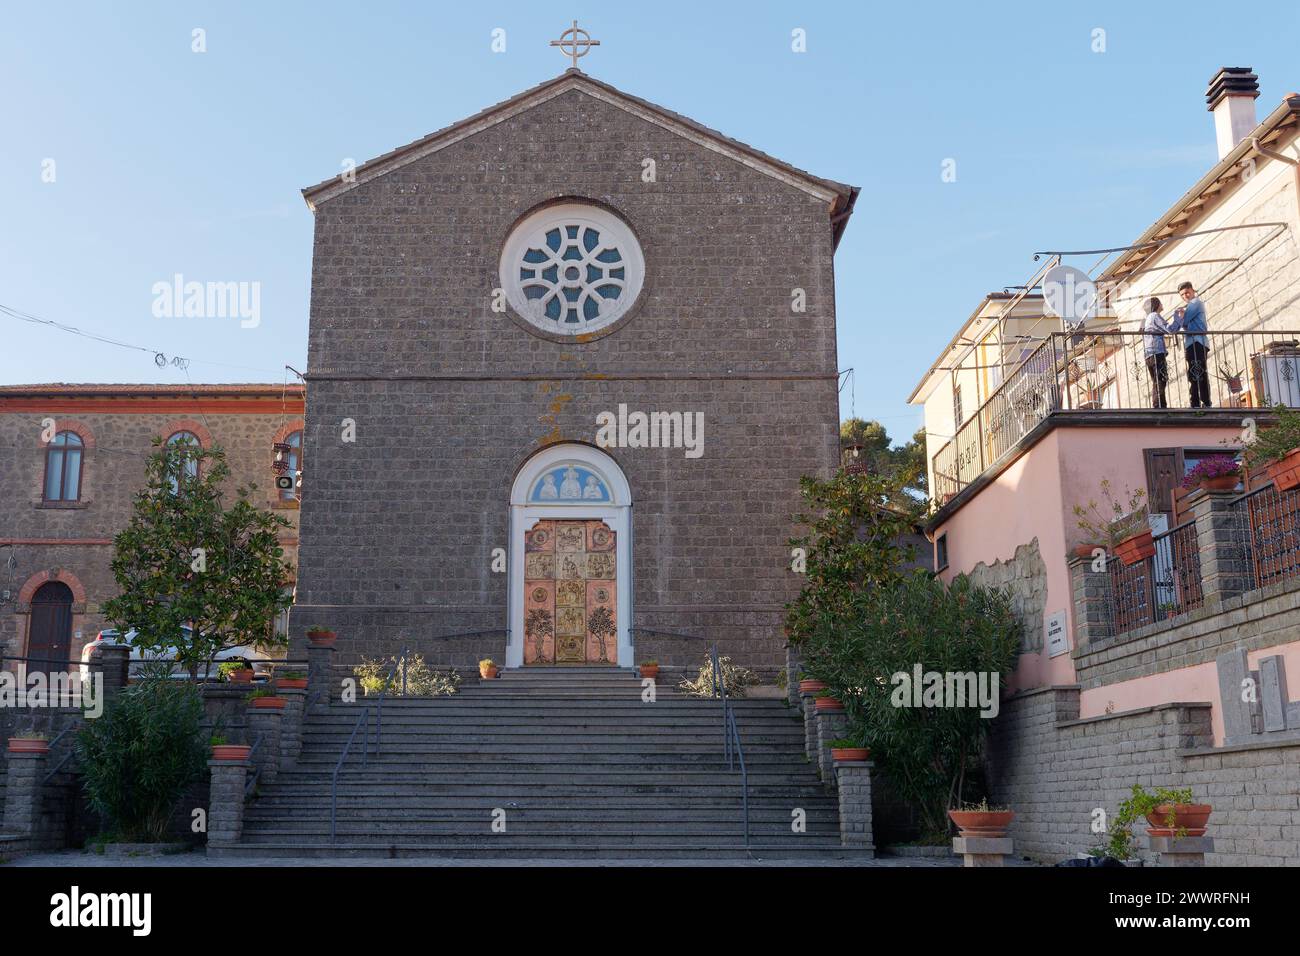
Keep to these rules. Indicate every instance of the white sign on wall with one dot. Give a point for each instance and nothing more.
(1056, 642)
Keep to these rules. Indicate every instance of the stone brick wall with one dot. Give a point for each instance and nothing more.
(450, 398)
(112, 473)
(1025, 578)
(1054, 769)
(1264, 618)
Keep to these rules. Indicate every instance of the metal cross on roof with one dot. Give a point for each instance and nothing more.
(570, 44)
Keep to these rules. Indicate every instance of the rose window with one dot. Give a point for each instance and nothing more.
(572, 269)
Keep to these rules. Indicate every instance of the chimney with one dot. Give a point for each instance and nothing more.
(1231, 98)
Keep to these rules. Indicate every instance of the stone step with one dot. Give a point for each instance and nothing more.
(812, 850)
(520, 760)
(415, 828)
(612, 810)
(705, 749)
(730, 803)
(624, 838)
(551, 703)
(502, 793)
(397, 772)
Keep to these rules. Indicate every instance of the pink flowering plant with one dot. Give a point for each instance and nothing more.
(1214, 466)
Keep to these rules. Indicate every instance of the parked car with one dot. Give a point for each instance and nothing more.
(247, 653)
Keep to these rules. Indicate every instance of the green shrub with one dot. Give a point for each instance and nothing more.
(932, 754)
(421, 680)
(141, 755)
(735, 678)
(1273, 444)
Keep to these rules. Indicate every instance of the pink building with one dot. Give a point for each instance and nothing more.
(1133, 673)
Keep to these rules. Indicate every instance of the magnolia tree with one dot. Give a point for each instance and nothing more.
(189, 559)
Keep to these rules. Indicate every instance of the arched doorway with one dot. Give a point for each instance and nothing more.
(570, 560)
(49, 636)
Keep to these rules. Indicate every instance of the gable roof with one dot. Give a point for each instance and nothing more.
(1281, 125)
(839, 197)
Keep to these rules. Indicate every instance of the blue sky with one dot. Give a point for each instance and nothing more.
(168, 161)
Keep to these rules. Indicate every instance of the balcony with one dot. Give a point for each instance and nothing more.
(1104, 372)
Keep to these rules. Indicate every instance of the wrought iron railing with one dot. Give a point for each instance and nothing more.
(1104, 371)
(1266, 529)
(1162, 586)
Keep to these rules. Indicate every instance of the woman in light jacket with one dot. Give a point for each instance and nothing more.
(1154, 330)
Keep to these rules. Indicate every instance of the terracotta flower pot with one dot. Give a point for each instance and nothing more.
(230, 751)
(850, 754)
(1189, 816)
(982, 823)
(1222, 483)
(269, 703)
(1085, 550)
(29, 745)
(811, 686)
(322, 638)
(828, 704)
(650, 671)
(242, 676)
(487, 673)
(291, 683)
(1137, 548)
(1285, 474)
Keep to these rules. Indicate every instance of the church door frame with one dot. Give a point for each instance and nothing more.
(616, 513)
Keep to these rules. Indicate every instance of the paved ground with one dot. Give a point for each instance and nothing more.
(78, 858)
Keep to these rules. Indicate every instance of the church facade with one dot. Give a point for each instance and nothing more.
(568, 360)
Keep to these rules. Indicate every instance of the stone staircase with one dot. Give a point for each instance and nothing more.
(581, 767)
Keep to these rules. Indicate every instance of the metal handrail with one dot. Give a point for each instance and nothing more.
(257, 772)
(62, 762)
(363, 720)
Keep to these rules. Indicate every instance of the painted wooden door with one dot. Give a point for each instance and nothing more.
(570, 598)
(50, 638)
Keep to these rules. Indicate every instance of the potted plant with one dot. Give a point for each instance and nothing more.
(1276, 450)
(264, 699)
(236, 672)
(487, 668)
(31, 743)
(321, 636)
(291, 680)
(1168, 813)
(810, 685)
(650, 669)
(1232, 379)
(224, 751)
(982, 820)
(1214, 473)
(845, 750)
(1122, 524)
(825, 702)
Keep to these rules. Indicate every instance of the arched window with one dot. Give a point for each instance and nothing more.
(63, 467)
(190, 443)
(294, 459)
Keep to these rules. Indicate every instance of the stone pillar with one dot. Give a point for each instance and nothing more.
(291, 725)
(226, 802)
(1222, 538)
(831, 725)
(1094, 619)
(320, 680)
(854, 783)
(792, 666)
(809, 726)
(1189, 851)
(114, 663)
(23, 793)
(982, 851)
(265, 723)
